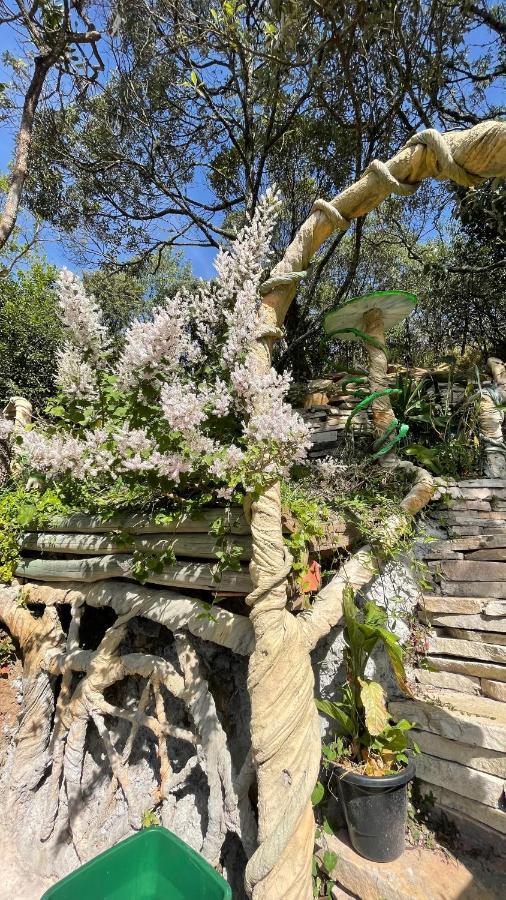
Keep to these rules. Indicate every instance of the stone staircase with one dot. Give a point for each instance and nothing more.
(460, 705)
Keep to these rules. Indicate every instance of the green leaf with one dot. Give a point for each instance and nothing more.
(318, 793)
(193, 78)
(329, 861)
(335, 711)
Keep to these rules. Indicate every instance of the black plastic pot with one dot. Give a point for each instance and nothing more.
(375, 811)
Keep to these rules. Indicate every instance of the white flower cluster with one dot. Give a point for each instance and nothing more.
(179, 374)
(74, 376)
(157, 348)
(81, 314)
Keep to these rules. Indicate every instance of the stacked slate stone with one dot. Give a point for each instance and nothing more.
(460, 708)
(326, 405)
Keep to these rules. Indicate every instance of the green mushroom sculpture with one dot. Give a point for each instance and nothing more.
(367, 319)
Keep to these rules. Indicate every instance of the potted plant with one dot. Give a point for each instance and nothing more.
(370, 754)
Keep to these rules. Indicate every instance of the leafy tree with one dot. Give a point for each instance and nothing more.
(30, 330)
(30, 333)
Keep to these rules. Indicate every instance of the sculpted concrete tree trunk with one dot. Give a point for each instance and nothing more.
(491, 419)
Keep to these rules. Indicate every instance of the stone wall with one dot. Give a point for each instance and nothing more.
(460, 705)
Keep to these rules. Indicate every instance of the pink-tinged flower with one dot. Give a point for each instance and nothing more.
(170, 465)
(74, 376)
(157, 348)
(182, 406)
(81, 314)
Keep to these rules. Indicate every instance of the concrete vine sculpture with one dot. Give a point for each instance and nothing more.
(285, 732)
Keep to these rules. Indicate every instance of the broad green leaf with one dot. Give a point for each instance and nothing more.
(335, 711)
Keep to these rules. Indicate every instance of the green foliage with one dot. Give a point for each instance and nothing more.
(366, 736)
(150, 819)
(7, 651)
(310, 515)
(445, 435)
(21, 511)
(30, 334)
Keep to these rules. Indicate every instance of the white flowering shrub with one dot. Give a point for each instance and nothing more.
(182, 411)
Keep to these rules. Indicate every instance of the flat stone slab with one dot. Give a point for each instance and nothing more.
(468, 543)
(419, 874)
(493, 818)
(494, 689)
(452, 724)
(474, 757)
(482, 483)
(457, 531)
(469, 667)
(496, 555)
(467, 649)
(472, 517)
(466, 782)
(473, 622)
(449, 681)
(462, 570)
(462, 634)
(468, 703)
(496, 589)
(495, 608)
(438, 603)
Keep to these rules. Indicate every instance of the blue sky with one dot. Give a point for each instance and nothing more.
(201, 258)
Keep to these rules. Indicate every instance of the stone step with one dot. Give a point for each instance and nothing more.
(467, 703)
(471, 622)
(485, 637)
(475, 757)
(474, 730)
(448, 681)
(438, 603)
(466, 782)
(439, 646)
(473, 667)
(420, 874)
(494, 818)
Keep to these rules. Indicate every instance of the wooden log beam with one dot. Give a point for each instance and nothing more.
(193, 546)
(99, 568)
(139, 523)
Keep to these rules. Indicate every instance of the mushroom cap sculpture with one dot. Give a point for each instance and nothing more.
(346, 320)
(366, 319)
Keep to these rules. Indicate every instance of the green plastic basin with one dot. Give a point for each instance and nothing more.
(151, 865)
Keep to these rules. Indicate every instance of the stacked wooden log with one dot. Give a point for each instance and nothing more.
(85, 549)
(461, 709)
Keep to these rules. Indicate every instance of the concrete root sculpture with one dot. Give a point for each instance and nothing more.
(48, 655)
(491, 419)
